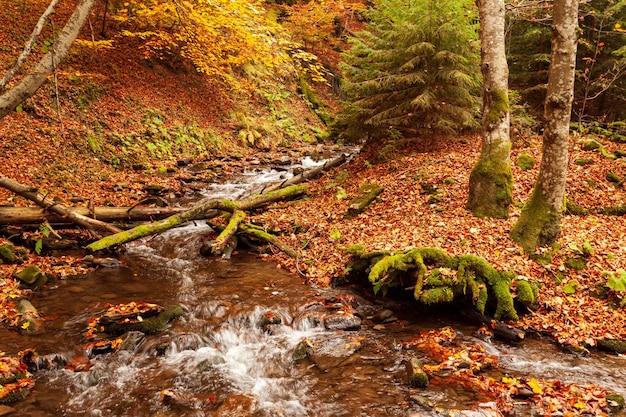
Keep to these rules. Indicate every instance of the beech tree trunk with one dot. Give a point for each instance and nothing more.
(491, 180)
(540, 221)
(35, 79)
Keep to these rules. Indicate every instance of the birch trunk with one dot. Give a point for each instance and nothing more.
(491, 179)
(35, 79)
(540, 221)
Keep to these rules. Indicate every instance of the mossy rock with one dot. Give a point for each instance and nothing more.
(10, 255)
(607, 154)
(31, 277)
(525, 161)
(614, 402)
(15, 396)
(612, 345)
(150, 325)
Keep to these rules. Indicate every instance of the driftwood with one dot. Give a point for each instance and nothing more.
(49, 204)
(499, 328)
(368, 193)
(197, 212)
(20, 216)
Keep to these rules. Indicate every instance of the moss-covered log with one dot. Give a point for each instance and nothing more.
(226, 235)
(436, 277)
(368, 193)
(197, 212)
(258, 233)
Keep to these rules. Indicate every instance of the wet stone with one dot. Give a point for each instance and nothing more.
(342, 321)
(238, 405)
(6, 410)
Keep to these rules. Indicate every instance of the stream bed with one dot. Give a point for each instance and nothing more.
(222, 357)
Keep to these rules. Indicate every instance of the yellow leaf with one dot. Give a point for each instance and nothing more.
(534, 385)
(508, 380)
(25, 325)
(580, 405)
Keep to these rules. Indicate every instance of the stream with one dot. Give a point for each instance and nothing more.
(219, 360)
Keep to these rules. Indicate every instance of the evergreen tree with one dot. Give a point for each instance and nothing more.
(415, 69)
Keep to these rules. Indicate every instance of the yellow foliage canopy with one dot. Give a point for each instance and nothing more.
(216, 36)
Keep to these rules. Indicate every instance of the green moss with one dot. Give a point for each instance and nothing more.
(614, 210)
(437, 295)
(615, 402)
(591, 145)
(576, 263)
(583, 161)
(527, 293)
(525, 161)
(150, 325)
(538, 224)
(499, 283)
(9, 255)
(572, 208)
(499, 106)
(481, 302)
(606, 153)
(612, 345)
(491, 183)
(613, 177)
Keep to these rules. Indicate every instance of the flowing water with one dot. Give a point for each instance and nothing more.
(219, 360)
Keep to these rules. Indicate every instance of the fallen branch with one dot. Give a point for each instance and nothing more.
(197, 212)
(220, 243)
(259, 233)
(49, 204)
(359, 204)
(308, 174)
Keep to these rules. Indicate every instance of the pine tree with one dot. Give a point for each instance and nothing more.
(415, 69)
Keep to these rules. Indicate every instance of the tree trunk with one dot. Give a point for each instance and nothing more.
(491, 180)
(540, 221)
(35, 216)
(35, 79)
(50, 205)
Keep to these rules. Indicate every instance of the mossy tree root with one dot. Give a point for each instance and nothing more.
(436, 277)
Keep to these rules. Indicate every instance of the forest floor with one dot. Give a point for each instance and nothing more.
(90, 146)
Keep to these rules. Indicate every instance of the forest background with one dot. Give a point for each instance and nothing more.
(152, 85)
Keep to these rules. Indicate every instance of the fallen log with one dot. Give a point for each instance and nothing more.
(360, 203)
(49, 204)
(228, 233)
(20, 216)
(197, 212)
(308, 174)
(259, 233)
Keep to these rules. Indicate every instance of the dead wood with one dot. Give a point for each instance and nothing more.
(20, 216)
(50, 205)
(199, 211)
(308, 174)
(368, 193)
